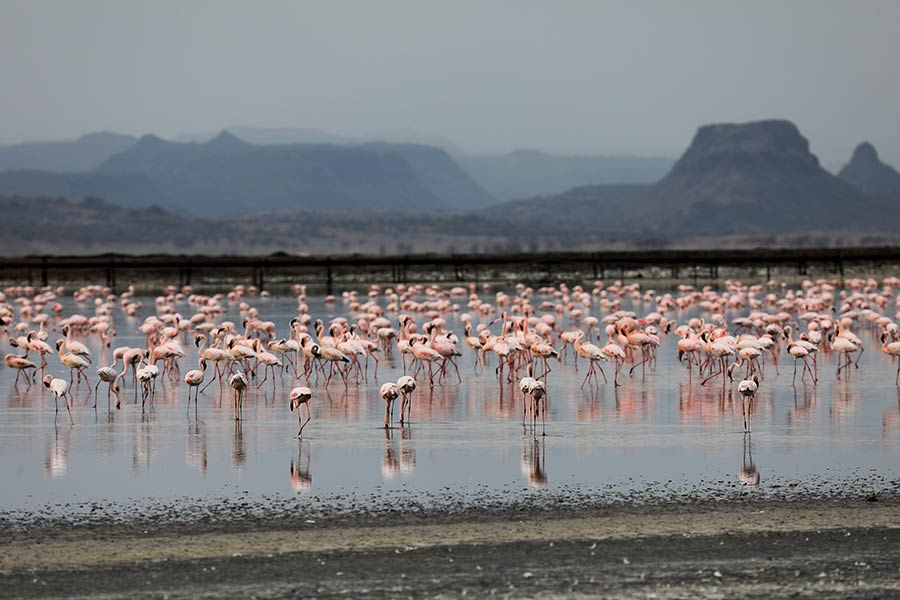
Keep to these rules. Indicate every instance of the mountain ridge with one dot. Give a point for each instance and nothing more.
(868, 173)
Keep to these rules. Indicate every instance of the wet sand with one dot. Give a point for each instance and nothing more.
(835, 548)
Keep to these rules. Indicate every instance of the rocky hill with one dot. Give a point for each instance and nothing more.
(867, 173)
(749, 177)
(734, 179)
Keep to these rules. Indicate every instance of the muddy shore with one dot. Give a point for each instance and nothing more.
(838, 548)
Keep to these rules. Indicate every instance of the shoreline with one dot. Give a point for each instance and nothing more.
(115, 560)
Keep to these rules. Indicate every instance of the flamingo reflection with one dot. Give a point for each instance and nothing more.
(390, 462)
(407, 451)
(399, 456)
(195, 453)
(238, 448)
(533, 461)
(749, 472)
(301, 480)
(56, 462)
(142, 448)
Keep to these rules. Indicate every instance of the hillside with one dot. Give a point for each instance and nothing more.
(227, 176)
(528, 173)
(866, 173)
(442, 175)
(125, 189)
(93, 226)
(71, 156)
(750, 177)
(734, 180)
(598, 209)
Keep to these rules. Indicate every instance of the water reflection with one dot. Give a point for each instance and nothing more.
(399, 453)
(142, 448)
(301, 480)
(844, 400)
(533, 461)
(890, 421)
(803, 407)
(56, 459)
(635, 403)
(195, 452)
(749, 472)
(407, 451)
(390, 462)
(469, 429)
(238, 447)
(705, 405)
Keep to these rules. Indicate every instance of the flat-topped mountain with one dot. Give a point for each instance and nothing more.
(867, 173)
(734, 179)
(748, 177)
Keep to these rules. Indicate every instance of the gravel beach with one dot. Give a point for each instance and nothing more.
(842, 547)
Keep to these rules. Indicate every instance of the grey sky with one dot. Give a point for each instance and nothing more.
(623, 77)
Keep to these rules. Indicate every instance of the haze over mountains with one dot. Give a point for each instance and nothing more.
(299, 169)
(528, 173)
(68, 156)
(752, 181)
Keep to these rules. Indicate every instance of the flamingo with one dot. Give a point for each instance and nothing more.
(389, 392)
(407, 386)
(615, 352)
(892, 349)
(238, 383)
(475, 344)
(799, 352)
(845, 346)
(269, 362)
(594, 355)
(538, 393)
(20, 364)
(107, 375)
(75, 347)
(333, 356)
(193, 379)
(75, 362)
(298, 396)
(747, 388)
(60, 389)
(542, 350)
(525, 387)
(422, 352)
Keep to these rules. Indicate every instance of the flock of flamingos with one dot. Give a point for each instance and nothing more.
(516, 334)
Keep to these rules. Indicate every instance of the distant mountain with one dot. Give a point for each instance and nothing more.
(227, 175)
(71, 156)
(749, 177)
(272, 135)
(602, 209)
(93, 226)
(734, 179)
(125, 189)
(442, 175)
(528, 173)
(158, 158)
(867, 173)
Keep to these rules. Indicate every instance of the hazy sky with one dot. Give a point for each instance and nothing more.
(572, 76)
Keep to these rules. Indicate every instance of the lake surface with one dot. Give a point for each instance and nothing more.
(662, 431)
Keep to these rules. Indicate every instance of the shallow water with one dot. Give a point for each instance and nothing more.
(661, 432)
